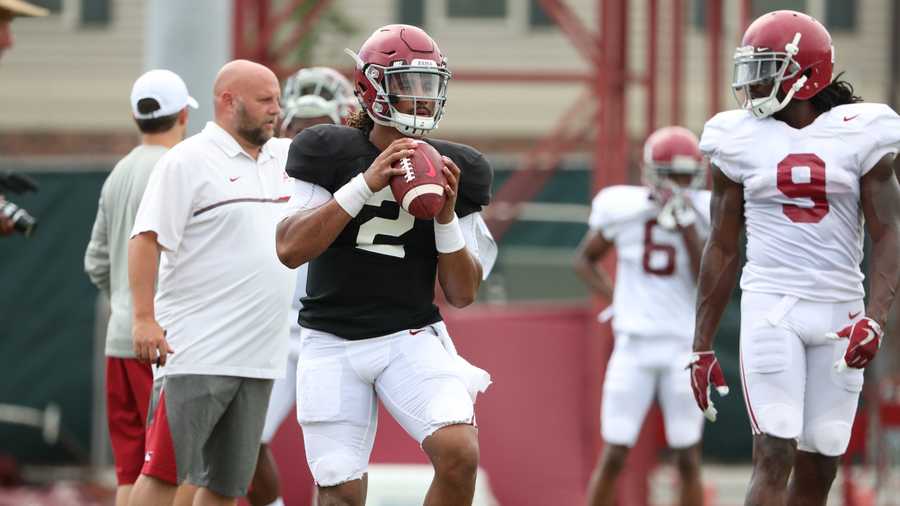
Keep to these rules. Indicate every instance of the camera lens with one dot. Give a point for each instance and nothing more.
(22, 221)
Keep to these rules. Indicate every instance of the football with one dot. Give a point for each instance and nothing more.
(420, 189)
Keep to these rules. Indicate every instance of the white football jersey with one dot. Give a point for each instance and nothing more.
(801, 195)
(655, 290)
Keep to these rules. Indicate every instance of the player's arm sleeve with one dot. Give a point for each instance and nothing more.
(476, 178)
(167, 204)
(305, 196)
(96, 257)
(479, 241)
(882, 134)
(713, 142)
(308, 159)
(603, 218)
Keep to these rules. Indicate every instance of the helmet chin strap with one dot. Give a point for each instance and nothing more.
(410, 131)
(406, 129)
(764, 107)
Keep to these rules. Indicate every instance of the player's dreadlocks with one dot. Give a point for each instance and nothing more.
(836, 93)
(361, 120)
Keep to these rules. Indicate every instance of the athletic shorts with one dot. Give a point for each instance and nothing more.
(284, 392)
(791, 388)
(129, 384)
(422, 383)
(639, 370)
(205, 430)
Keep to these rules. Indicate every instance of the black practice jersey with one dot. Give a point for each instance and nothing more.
(378, 275)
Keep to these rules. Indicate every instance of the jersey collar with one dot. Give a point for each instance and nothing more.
(230, 146)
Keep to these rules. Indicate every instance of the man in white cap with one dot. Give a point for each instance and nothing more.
(10, 9)
(159, 104)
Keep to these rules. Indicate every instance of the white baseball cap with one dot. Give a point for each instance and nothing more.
(22, 8)
(165, 87)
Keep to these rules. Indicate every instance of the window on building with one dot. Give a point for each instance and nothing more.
(411, 12)
(761, 7)
(537, 16)
(840, 15)
(88, 13)
(698, 14)
(95, 12)
(476, 8)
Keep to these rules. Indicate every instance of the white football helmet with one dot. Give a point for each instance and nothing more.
(317, 91)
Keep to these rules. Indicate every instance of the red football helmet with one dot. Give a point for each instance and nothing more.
(401, 65)
(673, 151)
(789, 49)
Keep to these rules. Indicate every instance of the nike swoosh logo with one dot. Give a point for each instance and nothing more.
(414, 332)
(848, 118)
(233, 179)
(431, 170)
(853, 315)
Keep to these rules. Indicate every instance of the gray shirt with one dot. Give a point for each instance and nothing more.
(106, 258)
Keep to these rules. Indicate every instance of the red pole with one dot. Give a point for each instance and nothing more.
(614, 74)
(622, 86)
(650, 72)
(746, 8)
(262, 26)
(601, 85)
(714, 41)
(677, 61)
(601, 344)
(237, 29)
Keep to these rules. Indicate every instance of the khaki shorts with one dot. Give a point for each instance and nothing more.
(205, 430)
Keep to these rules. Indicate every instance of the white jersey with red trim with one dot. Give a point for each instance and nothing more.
(655, 290)
(801, 194)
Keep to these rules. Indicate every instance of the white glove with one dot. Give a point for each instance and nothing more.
(677, 212)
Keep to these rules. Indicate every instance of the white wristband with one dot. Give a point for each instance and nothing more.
(353, 195)
(448, 237)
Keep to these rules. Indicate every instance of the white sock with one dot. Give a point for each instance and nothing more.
(277, 502)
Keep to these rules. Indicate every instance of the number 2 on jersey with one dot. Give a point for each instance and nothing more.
(365, 238)
(794, 167)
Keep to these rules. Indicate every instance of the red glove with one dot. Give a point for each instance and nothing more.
(705, 370)
(865, 338)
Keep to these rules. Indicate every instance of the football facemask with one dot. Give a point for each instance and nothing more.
(762, 68)
(410, 97)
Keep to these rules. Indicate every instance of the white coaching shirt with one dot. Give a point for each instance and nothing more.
(801, 195)
(655, 289)
(222, 296)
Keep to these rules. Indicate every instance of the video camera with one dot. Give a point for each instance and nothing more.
(23, 222)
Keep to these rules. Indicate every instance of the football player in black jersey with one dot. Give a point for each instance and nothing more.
(371, 329)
